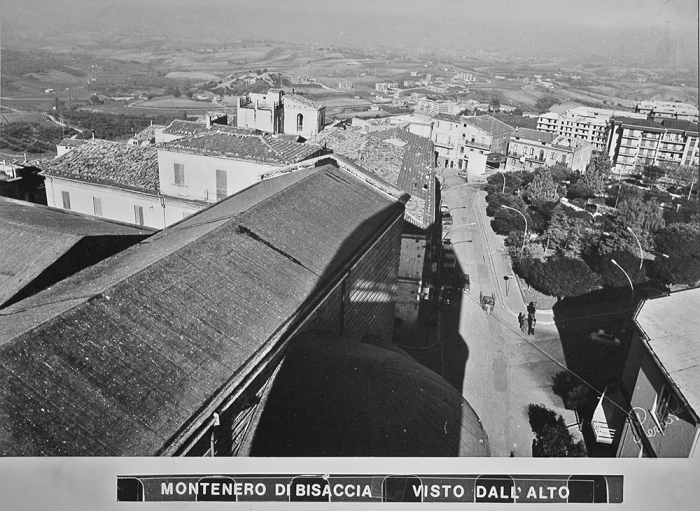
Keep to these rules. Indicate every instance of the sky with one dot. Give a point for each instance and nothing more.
(536, 27)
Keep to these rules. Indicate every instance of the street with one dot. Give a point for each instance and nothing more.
(499, 370)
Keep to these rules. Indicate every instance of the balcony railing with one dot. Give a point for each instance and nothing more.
(608, 415)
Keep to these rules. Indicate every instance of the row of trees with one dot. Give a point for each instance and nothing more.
(573, 249)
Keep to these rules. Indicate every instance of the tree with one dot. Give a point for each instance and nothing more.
(597, 173)
(543, 188)
(580, 190)
(566, 234)
(544, 104)
(495, 104)
(611, 275)
(641, 215)
(552, 438)
(563, 276)
(681, 243)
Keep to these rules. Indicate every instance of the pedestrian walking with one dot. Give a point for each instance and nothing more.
(531, 325)
(521, 320)
(531, 309)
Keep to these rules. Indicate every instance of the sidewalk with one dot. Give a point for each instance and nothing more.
(510, 294)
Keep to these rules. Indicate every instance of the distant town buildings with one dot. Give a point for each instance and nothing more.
(638, 142)
(667, 110)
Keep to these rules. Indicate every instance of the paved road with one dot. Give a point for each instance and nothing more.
(501, 370)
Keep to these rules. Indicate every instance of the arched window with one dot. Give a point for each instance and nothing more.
(300, 122)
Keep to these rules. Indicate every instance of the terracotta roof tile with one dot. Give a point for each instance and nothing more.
(103, 161)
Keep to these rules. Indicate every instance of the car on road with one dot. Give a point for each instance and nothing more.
(449, 260)
(464, 282)
(604, 338)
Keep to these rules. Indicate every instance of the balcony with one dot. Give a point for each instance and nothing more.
(610, 414)
(469, 143)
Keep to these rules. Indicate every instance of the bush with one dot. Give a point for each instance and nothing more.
(563, 276)
(552, 438)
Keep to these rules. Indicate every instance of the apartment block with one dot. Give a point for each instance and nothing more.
(634, 143)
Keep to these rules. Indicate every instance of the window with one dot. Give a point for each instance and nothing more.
(179, 174)
(664, 404)
(221, 184)
(138, 215)
(300, 122)
(65, 196)
(97, 206)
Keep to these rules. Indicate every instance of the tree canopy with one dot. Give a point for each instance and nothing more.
(562, 277)
(681, 243)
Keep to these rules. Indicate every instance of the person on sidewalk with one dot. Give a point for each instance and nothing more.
(521, 320)
(531, 325)
(531, 309)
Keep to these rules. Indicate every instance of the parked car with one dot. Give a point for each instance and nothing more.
(603, 338)
(446, 220)
(447, 244)
(463, 174)
(464, 282)
(448, 295)
(445, 209)
(449, 260)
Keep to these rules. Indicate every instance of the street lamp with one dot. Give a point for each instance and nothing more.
(641, 252)
(524, 218)
(628, 279)
(455, 227)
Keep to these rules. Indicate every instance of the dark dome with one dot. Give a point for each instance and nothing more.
(338, 398)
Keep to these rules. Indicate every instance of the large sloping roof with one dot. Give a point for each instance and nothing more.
(36, 240)
(398, 156)
(124, 356)
(488, 124)
(106, 162)
(533, 135)
(260, 148)
(338, 398)
(671, 325)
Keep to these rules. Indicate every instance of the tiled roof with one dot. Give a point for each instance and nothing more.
(533, 135)
(40, 243)
(260, 148)
(403, 165)
(671, 325)
(180, 127)
(300, 99)
(147, 134)
(417, 170)
(125, 356)
(106, 162)
(72, 142)
(488, 124)
(448, 117)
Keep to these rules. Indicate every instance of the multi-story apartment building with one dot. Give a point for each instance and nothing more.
(583, 123)
(633, 143)
(654, 411)
(668, 110)
(456, 137)
(529, 149)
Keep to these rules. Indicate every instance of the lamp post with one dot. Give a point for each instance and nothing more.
(524, 218)
(641, 252)
(455, 227)
(628, 279)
